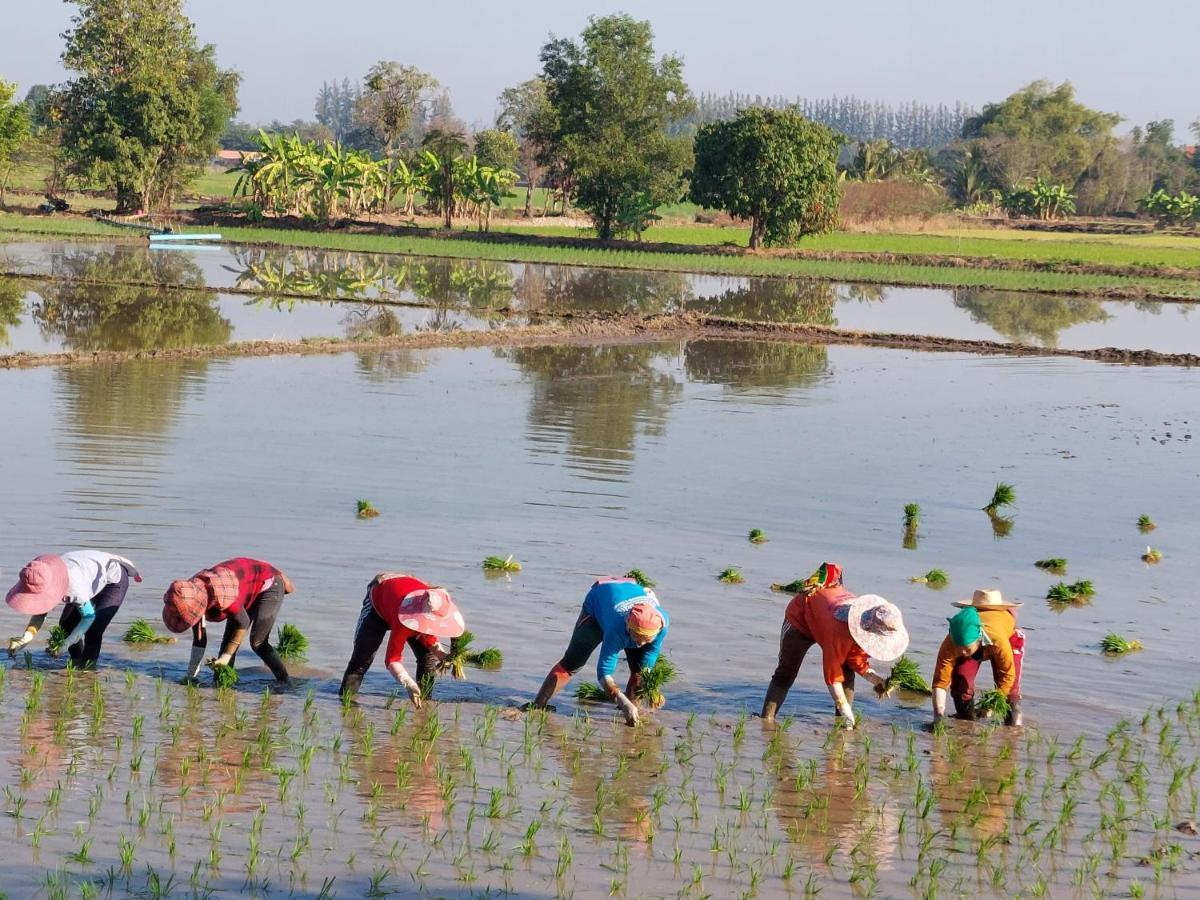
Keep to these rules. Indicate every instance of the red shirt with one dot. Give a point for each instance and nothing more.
(253, 577)
(385, 599)
(813, 615)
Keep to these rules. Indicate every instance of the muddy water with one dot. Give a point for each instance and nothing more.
(70, 315)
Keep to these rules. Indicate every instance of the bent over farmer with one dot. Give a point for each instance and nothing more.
(92, 584)
(850, 630)
(618, 615)
(415, 614)
(246, 594)
(985, 629)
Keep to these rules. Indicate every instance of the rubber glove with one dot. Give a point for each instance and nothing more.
(628, 707)
(406, 681)
(847, 714)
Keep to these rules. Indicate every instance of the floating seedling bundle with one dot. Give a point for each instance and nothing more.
(292, 644)
(934, 578)
(140, 632)
(1151, 555)
(731, 575)
(590, 691)
(366, 510)
(792, 587)
(757, 536)
(1003, 495)
(912, 518)
(501, 564)
(1116, 645)
(1055, 564)
(1145, 524)
(1076, 594)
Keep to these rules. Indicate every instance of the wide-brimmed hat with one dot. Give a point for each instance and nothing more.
(40, 587)
(431, 611)
(989, 599)
(878, 627)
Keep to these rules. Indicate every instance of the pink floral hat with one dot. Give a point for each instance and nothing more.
(431, 611)
(40, 587)
(878, 627)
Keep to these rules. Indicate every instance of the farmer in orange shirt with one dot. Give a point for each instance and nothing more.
(985, 629)
(849, 629)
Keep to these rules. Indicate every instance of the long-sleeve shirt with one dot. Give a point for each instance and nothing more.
(88, 573)
(609, 603)
(998, 626)
(385, 600)
(821, 616)
(253, 576)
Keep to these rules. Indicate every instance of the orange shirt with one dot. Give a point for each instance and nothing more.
(999, 625)
(814, 616)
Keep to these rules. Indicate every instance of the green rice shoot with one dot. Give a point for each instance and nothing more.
(1055, 564)
(141, 632)
(1145, 524)
(461, 655)
(653, 680)
(366, 510)
(224, 677)
(640, 577)
(487, 658)
(1004, 495)
(591, 692)
(56, 639)
(993, 702)
(934, 578)
(731, 575)
(757, 536)
(1115, 645)
(906, 675)
(292, 644)
(912, 512)
(501, 564)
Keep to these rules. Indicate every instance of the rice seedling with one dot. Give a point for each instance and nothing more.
(1151, 555)
(906, 676)
(292, 644)
(1003, 495)
(757, 536)
(992, 703)
(224, 677)
(1145, 524)
(141, 632)
(1115, 645)
(365, 509)
(653, 680)
(1076, 594)
(912, 514)
(640, 577)
(934, 578)
(461, 655)
(501, 564)
(792, 587)
(592, 692)
(731, 575)
(1055, 564)
(58, 636)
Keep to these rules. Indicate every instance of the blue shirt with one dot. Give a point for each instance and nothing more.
(609, 604)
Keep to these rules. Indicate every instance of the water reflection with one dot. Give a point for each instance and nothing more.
(750, 365)
(596, 401)
(559, 289)
(11, 294)
(1028, 318)
(774, 300)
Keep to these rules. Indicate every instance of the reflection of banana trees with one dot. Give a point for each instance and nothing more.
(554, 289)
(596, 400)
(1028, 318)
(363, 323)
(742, 365)
(774, 300)
(11, 294)
(88, 316)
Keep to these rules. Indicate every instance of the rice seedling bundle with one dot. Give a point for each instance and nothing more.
(460, 656)
(1079, 592)
(640, 577)
(934, 578)
(589, 690)
(1055, 564)
(224, 676)
(501, 564)
(653, 680)
(1003, 495)
(994, 703)
(792, 587)
(912, 512)
(1116, 645)
(906, 675)
(731, 575)
(292, 644)
(1145, 524)
(141, 632)
(58, 636)
(1151, 555)
(757, 536)
(366, 510)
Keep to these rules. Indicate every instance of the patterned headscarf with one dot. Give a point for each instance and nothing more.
(828, 575)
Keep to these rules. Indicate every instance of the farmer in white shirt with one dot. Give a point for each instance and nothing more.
(91, 583)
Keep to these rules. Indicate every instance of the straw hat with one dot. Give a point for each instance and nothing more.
(431, 611)
(878, 627)
(990, 599)
(40, 587)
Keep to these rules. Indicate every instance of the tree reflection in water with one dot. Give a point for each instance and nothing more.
(748, 365)
(12, 292)
(1028, 318)
(774, 300)
(559, 289)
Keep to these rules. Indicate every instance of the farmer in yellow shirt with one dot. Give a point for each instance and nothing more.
(985, 629)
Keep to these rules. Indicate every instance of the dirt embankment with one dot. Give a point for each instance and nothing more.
(596, 328)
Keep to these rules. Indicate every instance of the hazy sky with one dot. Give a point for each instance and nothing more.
(1133, 58)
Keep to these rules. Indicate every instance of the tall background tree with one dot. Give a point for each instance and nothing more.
(148, 103)
(14, 132)
(394, 96)
(520, 107)
(612, 103)
(773, 167)
(336, 107)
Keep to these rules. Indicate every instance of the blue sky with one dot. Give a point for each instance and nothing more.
(1134, 58)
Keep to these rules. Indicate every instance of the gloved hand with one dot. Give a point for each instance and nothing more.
(847, 715)
(628, 707)
(409, 685)
(20, 643)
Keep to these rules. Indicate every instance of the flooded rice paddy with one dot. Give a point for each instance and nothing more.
(288, 296)
(583, 461)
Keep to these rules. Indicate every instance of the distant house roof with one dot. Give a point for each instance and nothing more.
(1189, 152)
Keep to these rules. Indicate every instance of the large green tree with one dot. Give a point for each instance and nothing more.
(14, 132)
(773, 167)
(395, 96)
(148, 103)
(610, 104)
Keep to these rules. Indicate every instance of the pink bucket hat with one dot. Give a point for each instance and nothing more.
(431, 611)
(40, 587)
(878, 627)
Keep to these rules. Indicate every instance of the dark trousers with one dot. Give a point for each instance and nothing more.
(85, 653)
(262, 614)
(793, 645)
(586, 637)
(368, 637)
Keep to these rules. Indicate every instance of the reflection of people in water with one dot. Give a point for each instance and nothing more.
(828, 803)
(979, 785)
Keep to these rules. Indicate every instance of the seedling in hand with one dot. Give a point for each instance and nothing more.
(994, 703)
(653, 680)
(906, 676)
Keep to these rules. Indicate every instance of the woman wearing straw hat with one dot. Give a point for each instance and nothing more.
(414, 613)
(246, 594)
(850, 631)
(985, 629)
(618, 615)
(91, 583)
